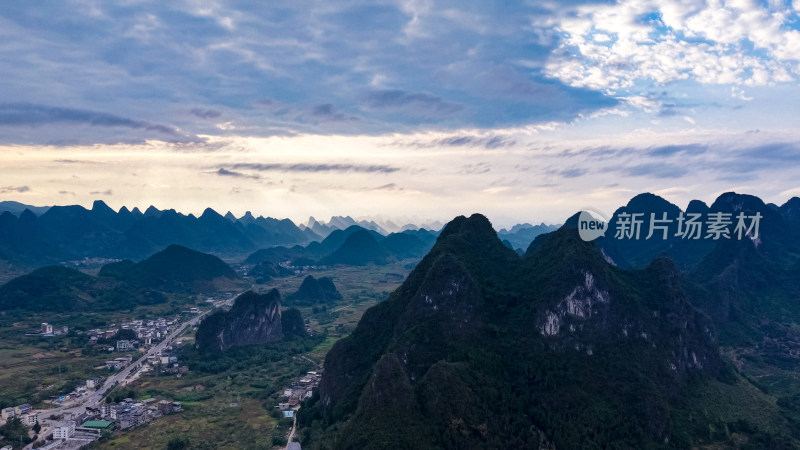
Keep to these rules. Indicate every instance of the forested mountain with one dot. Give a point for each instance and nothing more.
(56, 288)
(563, 348)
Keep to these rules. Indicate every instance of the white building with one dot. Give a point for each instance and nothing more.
(64, 431)
(29, 419)
(93, 383)
(47, 328)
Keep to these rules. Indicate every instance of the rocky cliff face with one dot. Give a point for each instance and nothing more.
(253, 319)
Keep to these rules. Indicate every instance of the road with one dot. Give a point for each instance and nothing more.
(291, 434)
(119, 377)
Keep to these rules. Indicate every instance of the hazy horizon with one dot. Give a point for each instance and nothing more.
(400, 221)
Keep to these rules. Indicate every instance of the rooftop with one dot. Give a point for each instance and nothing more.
(97, 424)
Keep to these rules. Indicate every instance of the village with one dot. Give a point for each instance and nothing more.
(71, 430)
(301, 389)
(85, 413)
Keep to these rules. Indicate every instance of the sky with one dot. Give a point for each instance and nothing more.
(403, 110)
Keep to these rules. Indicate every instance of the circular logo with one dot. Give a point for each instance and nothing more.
(591, 225)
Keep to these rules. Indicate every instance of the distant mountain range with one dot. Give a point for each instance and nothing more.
(520, 236)
(65, 233)
(18, 208)
(384, 227)
(33, 236)
(355, 246)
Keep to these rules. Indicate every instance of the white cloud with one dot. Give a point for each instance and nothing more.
(737, 92)
(646, 104)
(714, 42)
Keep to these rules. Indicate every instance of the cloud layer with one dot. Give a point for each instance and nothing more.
(449, 107)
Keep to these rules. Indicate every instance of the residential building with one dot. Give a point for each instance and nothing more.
(93, 383)
(65, 431)
(7, 413)
(165, 406)
(30, 419)
(47, 328)
(115, 364)
(24, 408)
(124, 345)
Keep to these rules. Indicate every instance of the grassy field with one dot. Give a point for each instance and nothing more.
(34, 368)
(224, 420)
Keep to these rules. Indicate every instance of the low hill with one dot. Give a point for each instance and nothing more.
(314, 290)
(58, 288)
(360, 248)
(266, 271)
(176, 267)
(338, 237)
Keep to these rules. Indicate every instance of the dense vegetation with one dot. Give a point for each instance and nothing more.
(265, 271)
(58, 288)
(15, 433)
(249, 357)
(482, 348)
